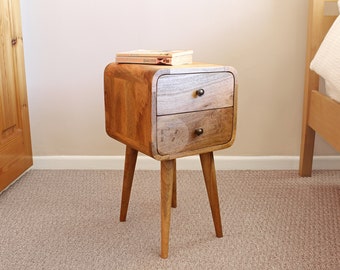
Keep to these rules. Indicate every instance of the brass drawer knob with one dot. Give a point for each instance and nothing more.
(199, 131)
(200, 92)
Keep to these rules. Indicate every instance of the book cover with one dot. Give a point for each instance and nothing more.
(153, 53)
(156, 57)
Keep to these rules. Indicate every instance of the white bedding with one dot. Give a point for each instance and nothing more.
(327, 60)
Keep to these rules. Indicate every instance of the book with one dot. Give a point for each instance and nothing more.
(156, 57)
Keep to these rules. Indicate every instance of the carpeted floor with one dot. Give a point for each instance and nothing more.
(271, 220)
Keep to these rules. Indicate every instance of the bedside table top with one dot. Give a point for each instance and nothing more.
(158, 70)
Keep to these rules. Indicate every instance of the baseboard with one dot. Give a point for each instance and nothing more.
(187, 163)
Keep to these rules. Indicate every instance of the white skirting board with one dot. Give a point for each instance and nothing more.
(186, 163)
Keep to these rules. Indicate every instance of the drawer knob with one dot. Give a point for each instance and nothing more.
(200, 92)
(199, 131)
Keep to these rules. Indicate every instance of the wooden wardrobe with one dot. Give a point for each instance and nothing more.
(15, 140)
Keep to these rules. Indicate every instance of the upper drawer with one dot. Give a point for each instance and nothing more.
(179, 92)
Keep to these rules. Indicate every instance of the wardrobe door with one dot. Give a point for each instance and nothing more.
(15, 141)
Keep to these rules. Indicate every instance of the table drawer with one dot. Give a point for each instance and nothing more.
(178, 93)
(180, 132)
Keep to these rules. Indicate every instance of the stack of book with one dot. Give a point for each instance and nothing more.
(155, 57)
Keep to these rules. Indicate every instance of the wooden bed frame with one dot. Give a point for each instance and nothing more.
(321, 114)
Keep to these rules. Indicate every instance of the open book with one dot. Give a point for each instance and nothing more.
(156, 57)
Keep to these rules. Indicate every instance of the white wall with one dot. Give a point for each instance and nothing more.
(68, 43)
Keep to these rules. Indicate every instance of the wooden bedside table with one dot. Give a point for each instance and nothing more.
(167, 112)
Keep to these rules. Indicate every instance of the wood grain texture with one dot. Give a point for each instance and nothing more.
(174, 187)
(177, 93)
(176, 132)
(128, 105)
(134, 93)
(324, 118)
(209, 172)
(167, 175)
(15, 140)
(156, 110)
(129, 170)
(318, 25)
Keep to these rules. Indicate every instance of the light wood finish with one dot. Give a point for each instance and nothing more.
(129, 170)
(318, 25)
(131, 115)
(176, 132)
(209, 172)
(128, 105)
(174, 187)
(167, 175)
(178, 93)
(163, 113)
(324, 118)
(15, 141)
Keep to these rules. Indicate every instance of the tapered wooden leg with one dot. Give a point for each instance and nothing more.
(129, 170)
(167, 179)
(208, 167)
(174, 187)
(306, 151)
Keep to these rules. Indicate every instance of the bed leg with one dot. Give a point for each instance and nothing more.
(307, 151)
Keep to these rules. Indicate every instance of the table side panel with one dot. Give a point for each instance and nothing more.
(128, 107)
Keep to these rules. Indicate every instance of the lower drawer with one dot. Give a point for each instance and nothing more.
(179, 133)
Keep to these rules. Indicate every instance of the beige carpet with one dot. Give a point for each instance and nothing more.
(271, 220)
